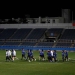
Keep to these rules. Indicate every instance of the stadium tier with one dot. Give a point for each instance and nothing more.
(7, 33)
(55, 31)
(45, 44)
(1, 42)
(68, 34)
(29, 43)
(36, 37)
(1, 30)
(37, 33)
(63, 44)
(12, 43)
(21, 33)
(73, 45)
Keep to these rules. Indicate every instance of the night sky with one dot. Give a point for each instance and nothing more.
(35, 8)
(33, 13)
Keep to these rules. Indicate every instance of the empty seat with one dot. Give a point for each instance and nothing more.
(1, 43)
(7, 33)
(45, 44)
(1, 30)
(63, 44)
(21, 33)
(68, 34)
(11, 43)
(29, 43)
(54, 32)
(37, 33)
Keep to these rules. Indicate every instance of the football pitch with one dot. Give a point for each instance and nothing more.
(23, 67)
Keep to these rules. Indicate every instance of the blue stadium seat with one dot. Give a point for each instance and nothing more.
(63, 44)
(45, 44)
(7, 33)
(12, 43)
(21, 33)
(68, 34)
(29, 43)
(36, 33)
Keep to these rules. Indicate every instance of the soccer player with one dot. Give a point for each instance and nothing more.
(23, 54)
(28, 56)
(31, 56)
(63, 55)
(66, 55)
(10, 55)
(52, 56)
(14, 55)
(41, 55)
(55, 55)
(7, 55)
(49, 56)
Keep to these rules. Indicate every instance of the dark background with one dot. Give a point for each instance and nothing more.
(33, 12)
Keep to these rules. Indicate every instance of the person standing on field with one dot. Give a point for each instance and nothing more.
(23, 54)
(10, 55)
(41, 55)
(14, 55)
(66, 55)
(63, 55)
(7, 55)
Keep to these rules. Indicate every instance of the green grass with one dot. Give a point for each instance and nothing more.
(23, 67)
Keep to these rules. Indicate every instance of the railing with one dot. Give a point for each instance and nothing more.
(18, 40)
(65, 41)
(36, 40)
(11, 40)
(36, 47)
(29, 40)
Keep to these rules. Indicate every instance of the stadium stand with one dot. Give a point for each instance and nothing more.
(21, 33)
(68, 34)
(30, 37)
(54, 32)
(73, 45)
(36, 33)
(7, 33)
(63, 44)
(29, 43)
(45, 44)
(1, 43)
(11, 43)
(1, 30)
(41, 31)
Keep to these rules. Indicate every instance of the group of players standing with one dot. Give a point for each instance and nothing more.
(10, 55)
(51, 55)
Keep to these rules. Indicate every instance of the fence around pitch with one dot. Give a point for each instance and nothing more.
(36, 47)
